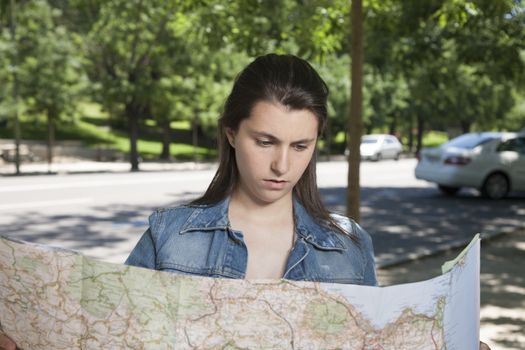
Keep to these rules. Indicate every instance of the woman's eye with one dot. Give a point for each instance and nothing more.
(300, 147)
(264, 143)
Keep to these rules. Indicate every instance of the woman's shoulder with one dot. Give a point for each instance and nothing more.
(189, 217)
(352, 229)
(359, 240)
(172, 211)
(179, 209)
(172, 217)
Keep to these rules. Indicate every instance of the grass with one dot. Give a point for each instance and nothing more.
(434, 138)
(93, 130)
(181, 125)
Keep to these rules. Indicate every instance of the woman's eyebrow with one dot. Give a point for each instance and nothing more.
(275, 139)
(265, 134)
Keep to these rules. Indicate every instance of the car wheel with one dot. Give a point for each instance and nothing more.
(448, 190)
(496, 186)
(377, 157)
(397, 156)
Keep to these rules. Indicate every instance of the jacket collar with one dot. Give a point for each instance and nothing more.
(310, 230)
(208, 217)
(215, 216)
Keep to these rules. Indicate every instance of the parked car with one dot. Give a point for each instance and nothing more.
(380, 146)
(492, 162)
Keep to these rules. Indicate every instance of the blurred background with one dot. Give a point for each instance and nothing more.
(90, 89)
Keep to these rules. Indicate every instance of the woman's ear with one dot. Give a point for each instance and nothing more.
(230, 134)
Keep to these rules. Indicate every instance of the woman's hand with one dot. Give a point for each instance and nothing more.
(6, 343)
(483, 346)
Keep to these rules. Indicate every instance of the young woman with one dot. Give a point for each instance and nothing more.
(262, 217)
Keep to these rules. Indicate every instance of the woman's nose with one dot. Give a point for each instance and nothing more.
(280, 163)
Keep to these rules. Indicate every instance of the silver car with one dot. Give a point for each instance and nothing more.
(492, 162)
(380, 146)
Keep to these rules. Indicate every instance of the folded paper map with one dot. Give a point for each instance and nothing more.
(57, 299)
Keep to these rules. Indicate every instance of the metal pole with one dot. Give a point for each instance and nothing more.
(14, 63)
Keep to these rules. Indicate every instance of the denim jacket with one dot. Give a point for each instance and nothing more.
(198, 240)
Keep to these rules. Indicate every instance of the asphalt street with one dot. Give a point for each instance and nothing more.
(103, 214)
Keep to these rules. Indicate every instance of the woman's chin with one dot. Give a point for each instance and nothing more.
(271, 196)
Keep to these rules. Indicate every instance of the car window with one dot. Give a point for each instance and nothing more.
(470, 141)
(369, 140)
(389, 141)
(513, 145)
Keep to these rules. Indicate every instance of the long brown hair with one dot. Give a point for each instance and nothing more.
(287, 80)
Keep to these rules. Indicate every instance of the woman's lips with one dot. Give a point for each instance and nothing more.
(274, 184)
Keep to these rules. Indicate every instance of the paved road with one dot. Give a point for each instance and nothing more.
(103, 215)
(408, 217)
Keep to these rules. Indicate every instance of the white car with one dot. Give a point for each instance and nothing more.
(380, 146)
(492, 162)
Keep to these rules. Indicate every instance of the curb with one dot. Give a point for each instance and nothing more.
(92, 167)
(443, 248)
(69, 168)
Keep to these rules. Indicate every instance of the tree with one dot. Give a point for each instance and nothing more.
(12, 48)
(47, 70)
(334, 70)
(457, 61)
(353, 198)
(127, 45)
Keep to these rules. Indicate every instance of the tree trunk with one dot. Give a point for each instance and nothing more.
(14, 62)
(420, 130)
(355, 123)
(410, 134)
(328, 138)
(392, 127)
(465, 126)
(195, 137)
(166, 140)
(50, 138)
(132, 113)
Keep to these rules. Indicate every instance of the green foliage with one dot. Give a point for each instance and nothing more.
(48, 69)
(436, 64)
(91, 128)
(514, 120)
(450, 63)
(131, 45)
(434, 138)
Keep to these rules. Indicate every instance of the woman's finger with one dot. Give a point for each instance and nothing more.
(6, 343)
(483, 346)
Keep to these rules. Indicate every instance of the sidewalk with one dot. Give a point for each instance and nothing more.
(75, 166)
(502, 287)
(382, 240)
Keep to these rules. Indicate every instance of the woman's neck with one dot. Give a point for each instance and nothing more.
(243, 205)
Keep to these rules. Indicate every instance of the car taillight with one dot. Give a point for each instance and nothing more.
(457, 160)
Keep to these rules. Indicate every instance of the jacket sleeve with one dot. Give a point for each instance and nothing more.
(145, 252)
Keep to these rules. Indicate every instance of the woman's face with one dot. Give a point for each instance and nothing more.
(273, 148)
